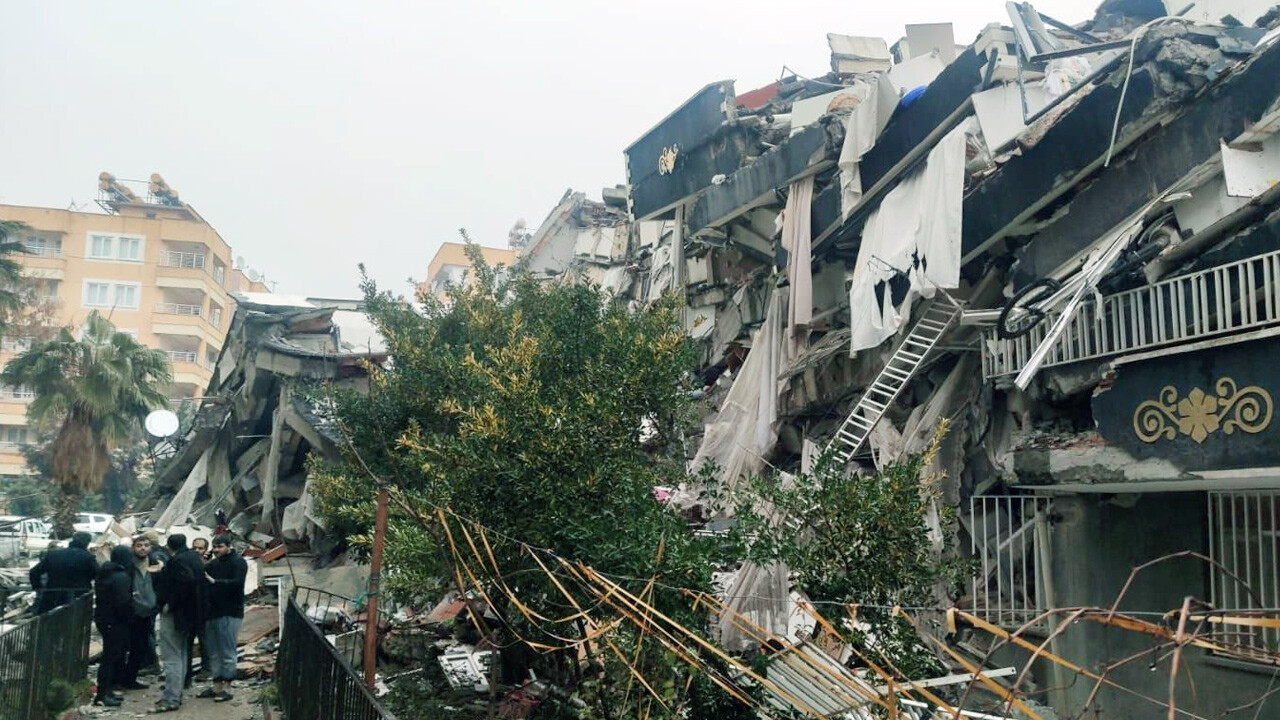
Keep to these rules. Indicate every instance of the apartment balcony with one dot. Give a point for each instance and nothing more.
(180, 309)
(18, 344)
(173, 259)
(43, 251)
(1234, 298)
(181, 356)
(191, 270)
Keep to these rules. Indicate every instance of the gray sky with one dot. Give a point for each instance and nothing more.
(319, 135)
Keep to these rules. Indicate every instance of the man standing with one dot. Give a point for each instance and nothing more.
(142, 649)
(113, 614)
(226, 574)
(201, 547)
(181, 602)
(68, 573)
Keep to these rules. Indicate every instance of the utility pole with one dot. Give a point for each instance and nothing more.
(375, 584)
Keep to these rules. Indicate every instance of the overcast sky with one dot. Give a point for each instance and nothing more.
(315, 136)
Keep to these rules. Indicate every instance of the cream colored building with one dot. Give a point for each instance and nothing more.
(451, 265)
(150, 263)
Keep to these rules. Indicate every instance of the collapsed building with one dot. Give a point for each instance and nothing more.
(1063, 239)
(244, 451)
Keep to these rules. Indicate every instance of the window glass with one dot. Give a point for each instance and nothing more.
(97, 294)
(126, 296)
(100, 246)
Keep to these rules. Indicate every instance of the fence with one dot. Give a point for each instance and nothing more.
(1006, 533)
(49, 647)
(318, 679)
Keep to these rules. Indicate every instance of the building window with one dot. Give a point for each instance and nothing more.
(215, 317)
(99, 293)
(1243, 540)
(126, 296)
(13, 435)
(128, 248)
(51, 289)
(103, 246)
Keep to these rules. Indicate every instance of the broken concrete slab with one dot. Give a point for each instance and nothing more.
(853, 54)
(803, 154)
(1165, 155)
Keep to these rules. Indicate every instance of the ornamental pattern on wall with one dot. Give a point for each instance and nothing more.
(1199, 414)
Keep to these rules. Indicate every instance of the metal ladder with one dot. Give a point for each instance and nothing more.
(939, 316)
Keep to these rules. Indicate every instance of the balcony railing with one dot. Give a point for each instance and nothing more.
(16, 393)
(16, 344)
(181, 356)
(180, 309)
(171, 258)
(1239, 296)
(49, 251)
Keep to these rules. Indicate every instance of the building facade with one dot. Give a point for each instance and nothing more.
(450, 265)
(151, 264)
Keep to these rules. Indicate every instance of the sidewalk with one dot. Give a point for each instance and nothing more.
(139, 703)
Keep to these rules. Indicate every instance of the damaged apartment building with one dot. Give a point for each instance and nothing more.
(1065, 240)
(245, 450)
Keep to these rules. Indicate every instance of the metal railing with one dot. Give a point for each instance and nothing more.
(180, 309)
(174, 258)
(49, 647)
(1008, 587)
(16, 393)
(51, 251)
(1237, 296)
(17, 344)
(1244, 539)
(316, 678)
(181, 356)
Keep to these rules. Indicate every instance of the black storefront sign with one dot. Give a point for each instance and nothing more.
(1207, 410)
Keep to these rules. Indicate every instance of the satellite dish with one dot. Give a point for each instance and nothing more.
(161, 423)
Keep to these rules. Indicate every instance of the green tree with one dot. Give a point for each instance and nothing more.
(91, 393)
(861, 540)
(125, 482)
(544, 412)
(10, 271)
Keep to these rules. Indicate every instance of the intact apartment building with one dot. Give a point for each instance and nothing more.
(450, 264)
(150, 263)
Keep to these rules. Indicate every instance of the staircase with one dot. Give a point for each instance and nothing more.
(940, 315)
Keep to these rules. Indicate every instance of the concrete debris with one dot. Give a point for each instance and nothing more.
(1148, 134)
(244, 455)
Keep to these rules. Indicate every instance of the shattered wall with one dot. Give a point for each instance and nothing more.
(246, 450)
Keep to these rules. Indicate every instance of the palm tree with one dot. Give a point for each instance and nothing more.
(10, 271)
(95, 391)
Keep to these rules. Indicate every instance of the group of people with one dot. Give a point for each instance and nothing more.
(147, 596)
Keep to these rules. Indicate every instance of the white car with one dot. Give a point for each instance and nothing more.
(93, 523)
(32, 535)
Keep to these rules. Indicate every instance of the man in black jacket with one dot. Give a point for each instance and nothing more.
(142, 651)
(68, 573)
(226, 575)
(113, 613)
(181, 599)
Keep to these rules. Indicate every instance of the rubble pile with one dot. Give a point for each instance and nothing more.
(245, 453)
(1052, 184)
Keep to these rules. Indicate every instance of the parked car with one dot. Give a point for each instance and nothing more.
(33, 534)
(93, 523)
